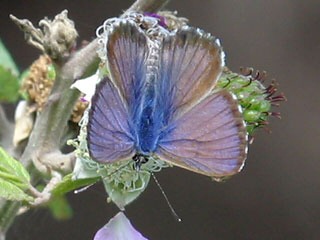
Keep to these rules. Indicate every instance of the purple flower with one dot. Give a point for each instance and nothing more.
(118, 228)
(161, 19)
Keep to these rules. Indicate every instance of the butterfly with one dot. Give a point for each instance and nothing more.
(160, 101)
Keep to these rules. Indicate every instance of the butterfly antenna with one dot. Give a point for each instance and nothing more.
(175, 215)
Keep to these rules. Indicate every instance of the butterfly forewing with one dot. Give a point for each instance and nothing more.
(127, 52)
(190, 64)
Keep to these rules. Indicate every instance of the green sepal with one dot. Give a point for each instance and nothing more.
(124, 183)
(126, 186)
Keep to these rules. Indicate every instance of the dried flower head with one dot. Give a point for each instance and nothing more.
(38, 83)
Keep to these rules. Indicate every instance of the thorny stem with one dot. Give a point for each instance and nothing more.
(51, 124)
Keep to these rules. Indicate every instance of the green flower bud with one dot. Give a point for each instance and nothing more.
(254, 98)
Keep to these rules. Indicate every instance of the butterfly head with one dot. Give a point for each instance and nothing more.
(139, 159)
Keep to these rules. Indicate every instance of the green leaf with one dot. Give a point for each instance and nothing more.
(9, 73)
(68, 184)
(23, 92)
(13, 171)
(11, 192)
(9, 90)
(60, 208)
(6, 60)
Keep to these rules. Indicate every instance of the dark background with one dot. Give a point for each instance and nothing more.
(277, 195)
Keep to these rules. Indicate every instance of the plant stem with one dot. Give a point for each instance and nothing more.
(51, 124)
(6, 131)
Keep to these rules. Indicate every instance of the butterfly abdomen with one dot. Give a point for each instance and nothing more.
(148, 120)
(147, 124)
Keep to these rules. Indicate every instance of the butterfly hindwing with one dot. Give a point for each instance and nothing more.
(209, 139)
(109, 137)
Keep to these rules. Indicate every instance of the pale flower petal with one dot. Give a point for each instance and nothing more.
(24, 122)
(87, 85)
(118, 228)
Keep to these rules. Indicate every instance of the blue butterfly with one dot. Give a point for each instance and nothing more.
(160, 101)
